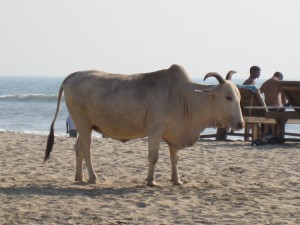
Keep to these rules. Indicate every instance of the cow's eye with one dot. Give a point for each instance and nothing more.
(229, 98)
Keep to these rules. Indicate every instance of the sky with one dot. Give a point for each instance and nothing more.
(58, 37)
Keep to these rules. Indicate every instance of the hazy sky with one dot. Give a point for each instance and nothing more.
(58, 37)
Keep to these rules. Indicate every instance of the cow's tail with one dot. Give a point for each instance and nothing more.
(50, 141)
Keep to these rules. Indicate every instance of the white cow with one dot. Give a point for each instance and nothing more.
(164, 106)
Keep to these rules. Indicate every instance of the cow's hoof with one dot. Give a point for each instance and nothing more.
(79, 179)
(151, 183)
(178, 183)
(93, 182)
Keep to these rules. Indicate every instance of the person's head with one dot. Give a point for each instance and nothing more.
(278, 75)
(254, 72)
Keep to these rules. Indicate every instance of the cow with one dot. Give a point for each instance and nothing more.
(164, 106)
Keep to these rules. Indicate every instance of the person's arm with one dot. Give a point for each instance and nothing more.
(262, 89)
(259, 97)
(284, 99)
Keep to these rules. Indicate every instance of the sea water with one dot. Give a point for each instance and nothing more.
(28, 105)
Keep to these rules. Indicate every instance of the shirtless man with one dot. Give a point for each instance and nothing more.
(254, 74)
(271, 90)
(273, 97)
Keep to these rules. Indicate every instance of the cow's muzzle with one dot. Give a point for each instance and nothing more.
(238, 125)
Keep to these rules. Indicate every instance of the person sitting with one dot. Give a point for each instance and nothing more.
(254, 74)
(271, 90)
(71, 129)
(273, 97)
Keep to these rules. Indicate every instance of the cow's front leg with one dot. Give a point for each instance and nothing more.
(174, 155)
(153, 149)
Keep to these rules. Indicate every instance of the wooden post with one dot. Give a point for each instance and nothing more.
(281, 127)
(255, 131)
(221, 134)
(247, 132)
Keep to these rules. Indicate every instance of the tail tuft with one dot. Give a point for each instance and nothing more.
(50, 143)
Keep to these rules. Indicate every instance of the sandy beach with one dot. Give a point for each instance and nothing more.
(224, 183)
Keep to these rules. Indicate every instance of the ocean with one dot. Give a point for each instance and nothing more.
(28, 104)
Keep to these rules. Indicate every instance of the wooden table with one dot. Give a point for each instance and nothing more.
(282, 118)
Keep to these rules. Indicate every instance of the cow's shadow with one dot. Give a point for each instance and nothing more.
(36, 190)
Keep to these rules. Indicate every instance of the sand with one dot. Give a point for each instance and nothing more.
(224, 183)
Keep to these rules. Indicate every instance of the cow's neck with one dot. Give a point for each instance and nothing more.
(206, 113)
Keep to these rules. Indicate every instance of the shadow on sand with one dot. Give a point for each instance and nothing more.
(69, 191)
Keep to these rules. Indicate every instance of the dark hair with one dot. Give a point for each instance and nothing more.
(254, 69)
(278, 75)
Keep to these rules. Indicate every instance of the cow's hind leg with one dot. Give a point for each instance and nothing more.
(79, 160)
(174, 155)
(153, 148)
(85, 153)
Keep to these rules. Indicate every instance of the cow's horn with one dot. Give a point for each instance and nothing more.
(229, 74)
(216, 75)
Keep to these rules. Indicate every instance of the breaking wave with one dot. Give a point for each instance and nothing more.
(29, 98)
